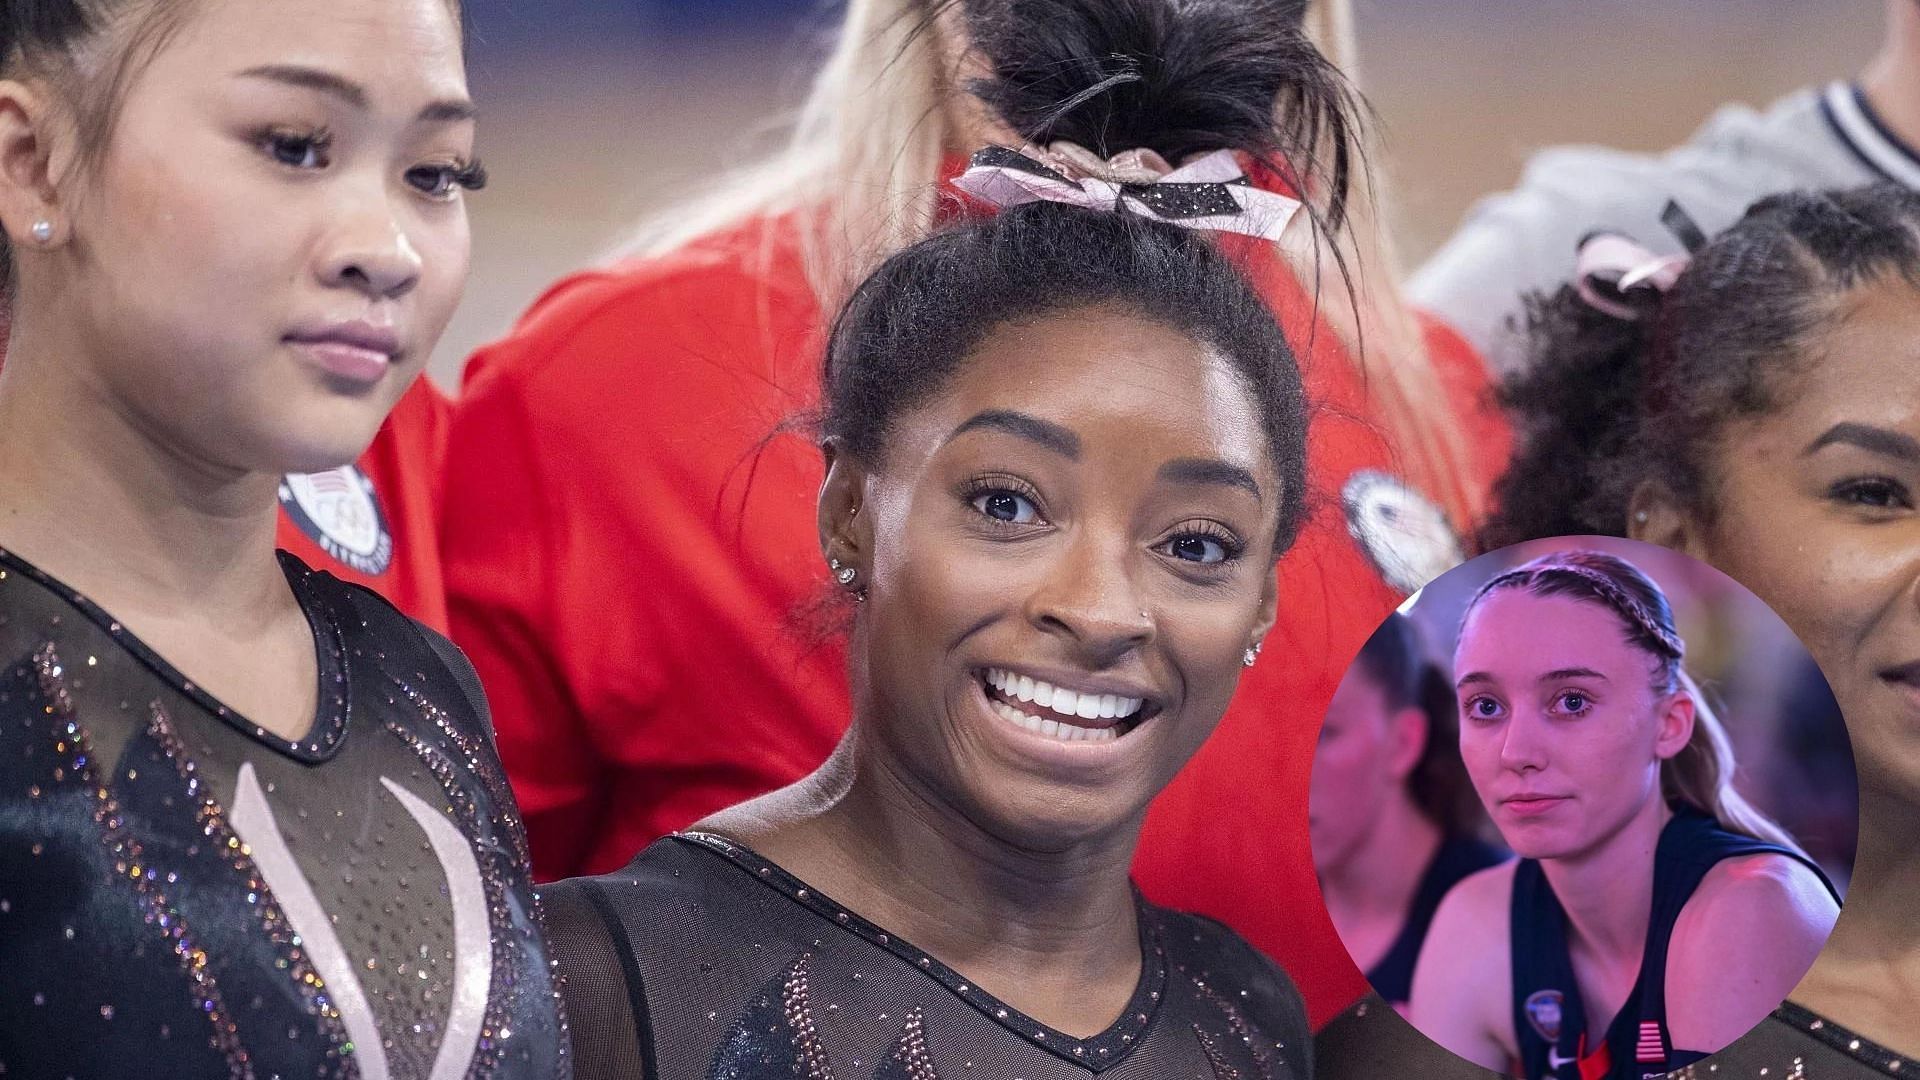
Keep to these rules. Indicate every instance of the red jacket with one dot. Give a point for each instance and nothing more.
(628, 532)
(375, 522)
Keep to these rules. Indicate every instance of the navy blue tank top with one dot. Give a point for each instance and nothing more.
(1548, 1014)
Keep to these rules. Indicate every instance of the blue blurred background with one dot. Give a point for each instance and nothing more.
(595, 112)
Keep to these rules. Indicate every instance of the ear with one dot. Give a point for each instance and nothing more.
(31, 159)
(1409, 729)
(846, 535)
(1655, 515)
(1676, 727)
(1269, 610)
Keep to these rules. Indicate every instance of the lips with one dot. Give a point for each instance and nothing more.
(357, 352)
(1069, 714)
(1528, 804)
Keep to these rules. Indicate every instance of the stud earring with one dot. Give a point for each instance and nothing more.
(1640, 516)
(1253, 653)
(842, 574)
(42, 231)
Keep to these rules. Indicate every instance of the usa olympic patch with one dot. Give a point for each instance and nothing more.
(339, 510)
(1404, 535)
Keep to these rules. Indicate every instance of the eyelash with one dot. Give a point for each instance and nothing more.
(1466, 708)
(468, 175)
(1850, 492)
(1231, 547)
(973, 489)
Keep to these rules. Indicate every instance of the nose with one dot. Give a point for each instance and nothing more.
(1523, 744)
(1090, 599)
(370, 251)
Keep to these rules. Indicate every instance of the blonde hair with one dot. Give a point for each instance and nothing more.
(1701, 775)
(859, 178)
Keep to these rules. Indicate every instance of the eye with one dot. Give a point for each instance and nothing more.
(440, 181)
(298, 149)
(1011, 507)
(1196, 548)
(1874, 492)
(1482, 707)
(1573, 703)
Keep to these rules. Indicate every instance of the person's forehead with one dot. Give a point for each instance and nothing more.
(1515, 629)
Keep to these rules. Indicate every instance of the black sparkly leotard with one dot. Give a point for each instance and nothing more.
(183, 894)
(1796, 1043)
(712, 963)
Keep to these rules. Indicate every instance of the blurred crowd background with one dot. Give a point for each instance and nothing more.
(1796, 763)
(596, 111)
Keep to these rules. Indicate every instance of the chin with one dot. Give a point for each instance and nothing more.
(1053, 821)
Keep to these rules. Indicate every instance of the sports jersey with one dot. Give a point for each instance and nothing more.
(1523, 241)
(1548, 1014)
(632, 556)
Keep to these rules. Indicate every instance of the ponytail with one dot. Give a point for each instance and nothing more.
(1701, 775)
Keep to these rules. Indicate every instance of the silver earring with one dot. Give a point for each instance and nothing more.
(842, 574)
(1640, 516)
(1253, 653)
(42, 231)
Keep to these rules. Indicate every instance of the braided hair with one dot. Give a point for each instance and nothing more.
(1701, 774)
(1609, 403)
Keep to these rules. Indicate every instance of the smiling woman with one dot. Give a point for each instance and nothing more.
(250, 818)
(1064, 449)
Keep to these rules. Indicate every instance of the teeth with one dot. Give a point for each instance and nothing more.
(1052, 729)
(1060, 699)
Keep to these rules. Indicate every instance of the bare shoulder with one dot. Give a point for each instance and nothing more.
(1463, 981)
(1766, 891)
(1744, 939)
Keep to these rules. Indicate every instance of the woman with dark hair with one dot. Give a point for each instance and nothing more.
(1392, 813)
(1623, 942)
(1064, 448)
(251, 822)
(627, 546)
(1759, 409)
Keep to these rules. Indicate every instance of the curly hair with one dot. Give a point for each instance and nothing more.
(1609, 403)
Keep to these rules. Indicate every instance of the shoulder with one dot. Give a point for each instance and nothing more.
(412, 646)
(1470, 938)
(1221, 962)
(749, 279)
(1718, 983)
(1747, 898)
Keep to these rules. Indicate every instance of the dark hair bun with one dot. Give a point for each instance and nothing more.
(1181, 77)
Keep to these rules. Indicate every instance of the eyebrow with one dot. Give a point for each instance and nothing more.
(1552, 676)
(1210, 471)
(445, 110)
(1031, 428)
(1867, 437)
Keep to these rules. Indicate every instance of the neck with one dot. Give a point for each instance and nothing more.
(1379, 879)
(1883, 898)
(1892, 80)
(1608, 892)
(1053, 933)
(92, 493)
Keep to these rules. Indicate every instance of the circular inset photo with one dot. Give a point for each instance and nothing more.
(1583, 808)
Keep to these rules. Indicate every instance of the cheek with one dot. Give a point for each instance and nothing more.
(443, 239)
